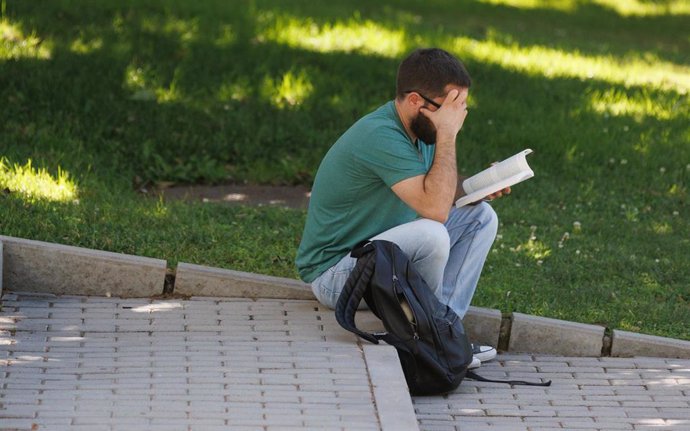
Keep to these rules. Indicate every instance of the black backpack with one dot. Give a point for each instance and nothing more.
(429, 336)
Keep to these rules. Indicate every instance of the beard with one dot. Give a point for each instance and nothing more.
(423, 128)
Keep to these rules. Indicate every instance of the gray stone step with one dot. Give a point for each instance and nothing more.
(39, 266)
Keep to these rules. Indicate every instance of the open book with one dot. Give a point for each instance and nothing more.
(499, 176)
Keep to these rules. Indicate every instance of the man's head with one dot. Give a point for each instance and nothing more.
(429, 71)
(425, 77)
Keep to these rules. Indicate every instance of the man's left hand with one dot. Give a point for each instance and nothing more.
(498, 194)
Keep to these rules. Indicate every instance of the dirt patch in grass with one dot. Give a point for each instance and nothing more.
(241, 194)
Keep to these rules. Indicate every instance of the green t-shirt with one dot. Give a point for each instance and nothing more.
(352, 200)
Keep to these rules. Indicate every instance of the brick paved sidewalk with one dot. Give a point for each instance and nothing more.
(586, 394)
(89, 363)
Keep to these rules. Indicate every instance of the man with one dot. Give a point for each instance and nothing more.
(393, 176)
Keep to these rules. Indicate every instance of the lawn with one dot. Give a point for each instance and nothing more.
(99, 100)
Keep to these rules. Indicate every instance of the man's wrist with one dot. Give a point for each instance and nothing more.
(440, 140)
(443, 136)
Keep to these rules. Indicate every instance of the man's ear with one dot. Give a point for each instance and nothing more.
(414, 100)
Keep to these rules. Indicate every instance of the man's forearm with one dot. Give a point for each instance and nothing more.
(441, 182)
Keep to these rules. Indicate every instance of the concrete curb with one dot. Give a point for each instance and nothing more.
(483, 325)
(392, 397)
(36, 266)
(197, 280)
(61, 269)
(532, 334)
(1, 261)
(629, 344)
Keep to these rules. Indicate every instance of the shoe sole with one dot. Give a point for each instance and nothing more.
(486, 356)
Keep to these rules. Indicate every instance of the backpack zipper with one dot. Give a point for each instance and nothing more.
(398, 291)
(450, 326)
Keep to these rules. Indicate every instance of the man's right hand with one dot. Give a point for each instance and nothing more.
(449, 118)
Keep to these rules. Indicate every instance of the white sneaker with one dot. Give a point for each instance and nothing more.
(476, 363)
(483, 353)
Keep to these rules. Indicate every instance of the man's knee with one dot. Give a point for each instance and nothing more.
(434, 238)
(488, 218)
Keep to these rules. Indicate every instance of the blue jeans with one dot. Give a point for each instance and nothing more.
(449, 256)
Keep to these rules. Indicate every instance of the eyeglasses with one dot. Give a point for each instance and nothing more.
(431, 102)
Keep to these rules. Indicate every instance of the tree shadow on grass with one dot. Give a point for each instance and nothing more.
(187, 96)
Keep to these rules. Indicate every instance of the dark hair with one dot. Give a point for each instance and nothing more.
(428, 71)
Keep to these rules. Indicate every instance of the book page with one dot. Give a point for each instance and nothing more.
(499, 176)
(500, 171)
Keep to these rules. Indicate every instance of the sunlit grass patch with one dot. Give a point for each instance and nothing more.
(661, 228)
(290, 90)
(236, 89)
(632, 69)
(141, 82)
(88, 40)
(351, 35)
(137, 77)
(36, 184)
(144, 77)
(677, 190)
(15, 44)
(145, 85)
(617, 103)
(622, 7)
(647, 8)
(533, 248)
(227, 36)
(85, 46)
(562, 5)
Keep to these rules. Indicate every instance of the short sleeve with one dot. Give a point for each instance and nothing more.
(391, 157)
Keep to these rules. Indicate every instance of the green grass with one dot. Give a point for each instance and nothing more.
(104, 98)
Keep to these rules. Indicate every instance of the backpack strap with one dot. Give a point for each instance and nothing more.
(472, 375)
(354, 290)
(362, 248)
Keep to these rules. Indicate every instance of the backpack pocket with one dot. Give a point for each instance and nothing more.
(452, 340)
